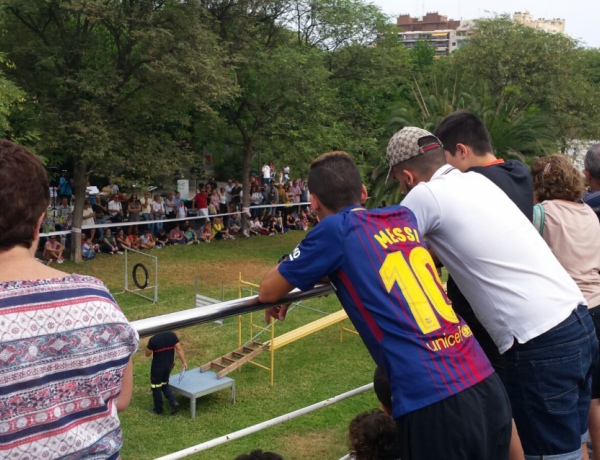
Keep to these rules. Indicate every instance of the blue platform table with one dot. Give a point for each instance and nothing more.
(196, 384)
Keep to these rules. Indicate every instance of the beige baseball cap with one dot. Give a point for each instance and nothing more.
(404, 145)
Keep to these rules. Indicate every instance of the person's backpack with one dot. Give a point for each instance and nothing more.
(539, 218)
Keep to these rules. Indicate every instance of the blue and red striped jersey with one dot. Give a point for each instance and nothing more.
(386, 281)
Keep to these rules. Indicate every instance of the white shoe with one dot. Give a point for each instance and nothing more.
(190, 242)
(119, 252)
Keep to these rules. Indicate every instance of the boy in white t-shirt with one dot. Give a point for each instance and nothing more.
(517, 288)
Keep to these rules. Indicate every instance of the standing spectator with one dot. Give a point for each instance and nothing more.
(170, 211)
(176, 236)
(89, 216)
(65, 188)
(297, 192)
(530, 306)
(266, 174)
(213, 207)
(115, 210)
(146, 240)
(177, 200)
(280, 178)
(63, 381)
(162, 348)
(442, 398)
(200, 202)
(571, 231)
(304, 198)
(158, 214)
(182, 211)
(236, 196)
(134, 209)
(228, 190)
(273, 198)
(53, 251)
(222, 201)
(101, 211)
(64, 220)
(592, 174)
(212, 183)
(256, 199)
(286, 173)
(146, 203)
(109, 243)
(114, 188)
(272, 170)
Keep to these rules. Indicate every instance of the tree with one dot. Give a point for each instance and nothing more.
(517, 127)
(542, 67)
(113, 83)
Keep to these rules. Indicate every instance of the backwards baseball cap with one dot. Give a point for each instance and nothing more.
(404, 145)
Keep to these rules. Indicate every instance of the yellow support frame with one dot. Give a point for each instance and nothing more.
(289, 337)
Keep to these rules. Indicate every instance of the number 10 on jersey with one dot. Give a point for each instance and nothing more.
(420, 286)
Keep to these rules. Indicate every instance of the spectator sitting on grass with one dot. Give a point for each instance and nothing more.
(259, 455)
(254, 227)
(235, 224)
(189, 233)
(146, 240)
(122, 240)
(134, 238)
(87, 249)
(219, 231)
(53, 251)
(109, 244)
(372, 436)
(176, 236)
(206, 233)
(162, 239)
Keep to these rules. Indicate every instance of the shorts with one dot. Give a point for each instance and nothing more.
(549, 381)
(460, 427)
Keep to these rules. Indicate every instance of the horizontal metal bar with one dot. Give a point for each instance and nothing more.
(269, 423)
(221, 310)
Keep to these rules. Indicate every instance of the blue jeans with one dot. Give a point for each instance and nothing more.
(158, 227)
(100, 220)
(548, 381)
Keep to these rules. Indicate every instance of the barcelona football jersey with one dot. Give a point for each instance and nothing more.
(386, 281)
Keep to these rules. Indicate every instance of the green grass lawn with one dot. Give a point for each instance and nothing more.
(307, 371)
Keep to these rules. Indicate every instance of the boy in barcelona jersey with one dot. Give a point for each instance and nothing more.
(443, 386)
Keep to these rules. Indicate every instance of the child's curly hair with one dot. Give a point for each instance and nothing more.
(372, 436)
(555, 178)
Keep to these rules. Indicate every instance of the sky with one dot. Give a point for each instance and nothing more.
(582, 17)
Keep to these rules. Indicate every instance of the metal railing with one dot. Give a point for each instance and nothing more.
(221, 310)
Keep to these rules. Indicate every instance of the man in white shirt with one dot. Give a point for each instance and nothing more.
(517, 288)
(266, 173)
(115, 209)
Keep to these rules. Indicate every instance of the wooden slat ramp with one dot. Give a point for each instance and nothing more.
(231, 361)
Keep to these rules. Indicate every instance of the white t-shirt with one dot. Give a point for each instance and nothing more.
(158, 207)
(88, 217)
(266, 170)
(517, 288)
(114, 207)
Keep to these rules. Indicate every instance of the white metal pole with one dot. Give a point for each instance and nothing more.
(261, 426)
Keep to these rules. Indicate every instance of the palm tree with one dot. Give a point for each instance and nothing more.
(517, 127)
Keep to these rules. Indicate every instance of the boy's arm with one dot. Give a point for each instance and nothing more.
(179, 350)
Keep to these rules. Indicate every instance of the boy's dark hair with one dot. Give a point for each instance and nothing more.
(382, 388)
(464, 127)
(372, 436)
(335, 180)
(24, 195)
(259, 455)
(427, 163)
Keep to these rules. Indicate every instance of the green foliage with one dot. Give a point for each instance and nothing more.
(421, 56)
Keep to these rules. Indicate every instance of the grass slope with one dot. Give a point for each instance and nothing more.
(307, 371)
